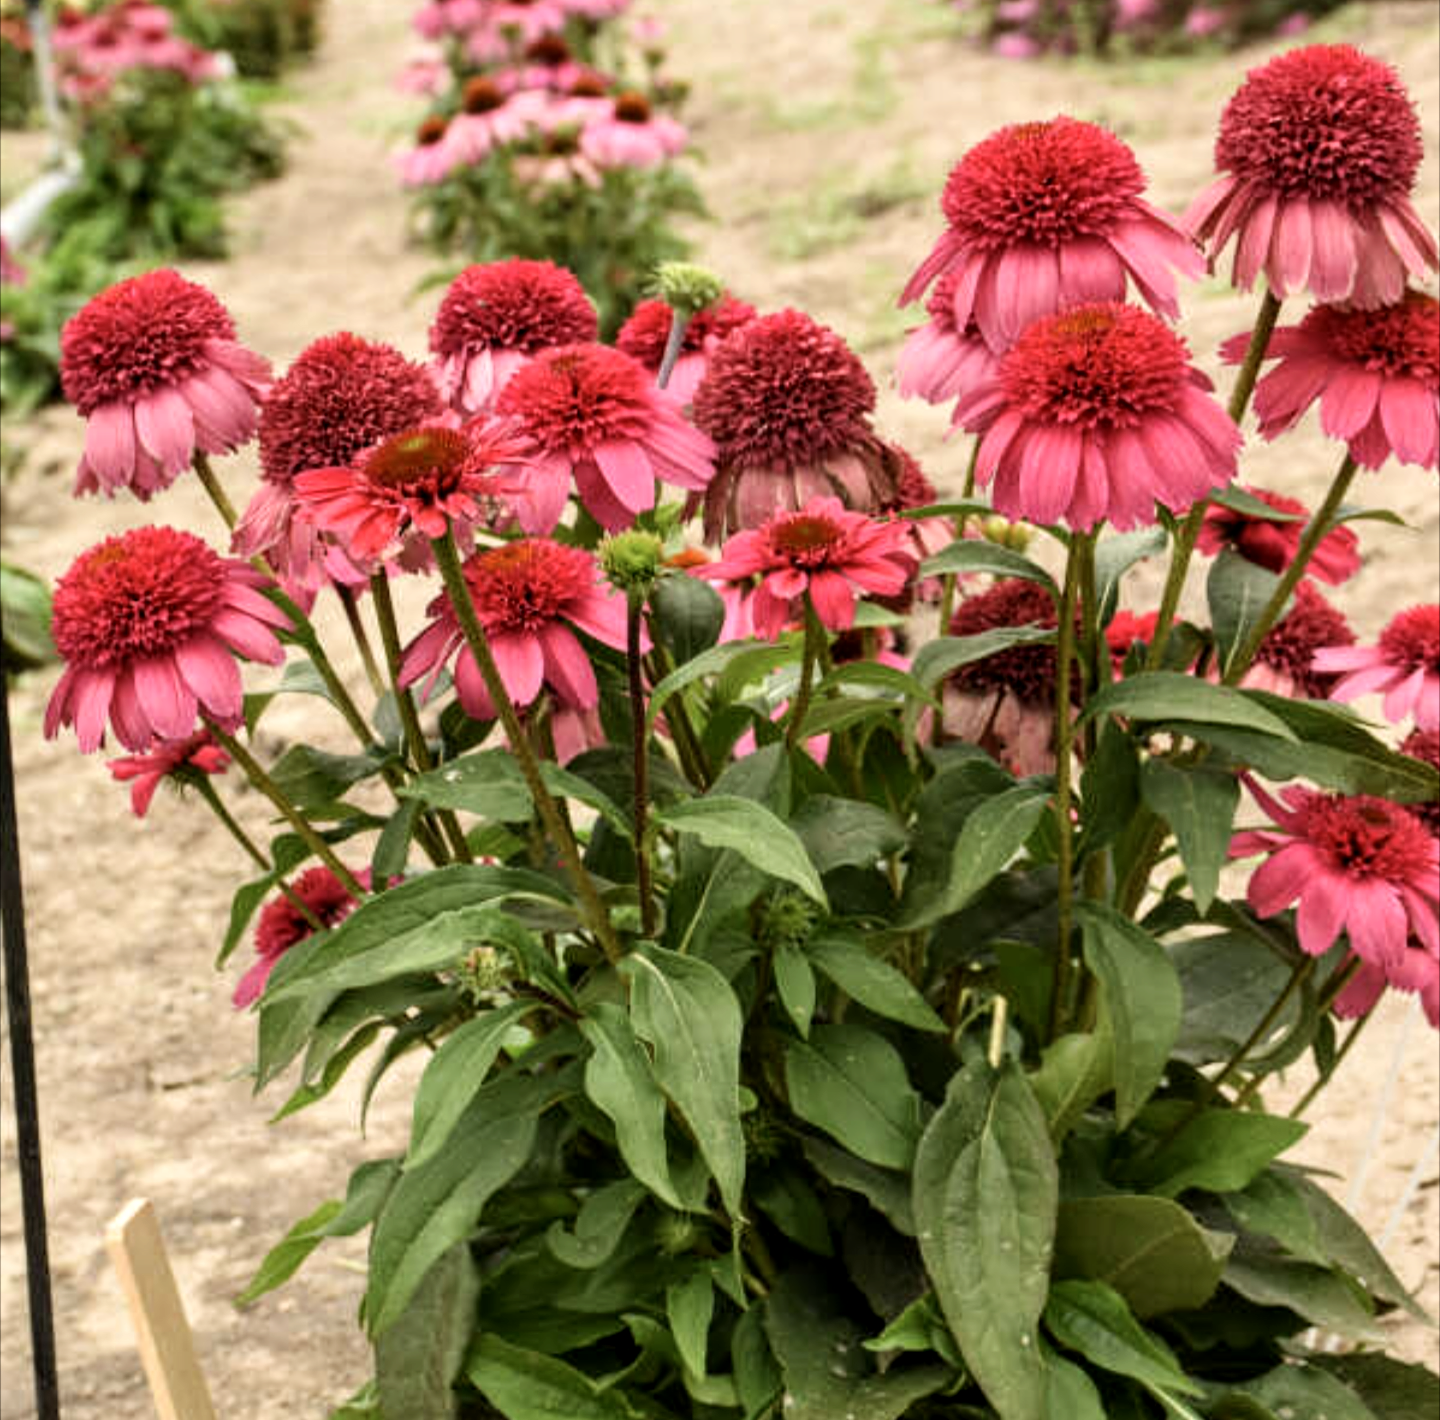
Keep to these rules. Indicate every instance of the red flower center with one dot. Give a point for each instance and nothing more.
(1367, 837)
(631, 107)
(139, 335)
(512, 305)
(481, 95)
(1291, 644)
(281, 924)
(1412, 639)
(140, 594)
(1025, 671)
(1097, 366)
(1325, 121)
(341, 395)
(784, 391)
(577, 396)
(1399, 341)
(806, 539)
(527, 584)
(428, 461)
(1046, 183)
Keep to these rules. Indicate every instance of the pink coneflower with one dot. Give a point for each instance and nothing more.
(1005, 703)
(529, 596)
(1356, 864)
(788, 406)
(920, 537)
(938, 361)
(1126, 630)
(148, 624)
(181, 758)
(1376, 374)
(1404, 666)
(153, 365)
(1097, 414)
(632, 135)
(1049, 215)
(431, 159)
(1318, 150)
(414, 486)
(594, 412)
(342, 395)
(1272, 543)
(1285, 660)
(1416, 973)
(1424, 745)
(643, 337)
(823, 550)
(492, 320)
(488, 118)
(282, 925)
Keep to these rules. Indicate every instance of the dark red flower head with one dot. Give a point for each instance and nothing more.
(578, 396)
(145, 333)
(1027, 672)
(643, 336)
(1273, 543)
(1367, 837)
(281, 925)
(512, 305)
(1323, 122)
(1397, 342)
(784, 391)
(1412, 639)
(524, 585)
(1289, 647)
(1424, 745)
(1044, 183)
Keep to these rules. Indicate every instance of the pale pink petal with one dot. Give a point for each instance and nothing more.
(521, 664)
(568, 668)
(211, 673)
(110, 444)
(1254, 244)
(166, 428)
(167, 703)
(1332, 274)
(1289, 266)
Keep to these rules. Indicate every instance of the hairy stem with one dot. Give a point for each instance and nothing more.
(634, 626)
(810, 658)
(351, 607)
(1064, 791)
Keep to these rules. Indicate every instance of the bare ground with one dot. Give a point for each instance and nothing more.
(828, 128)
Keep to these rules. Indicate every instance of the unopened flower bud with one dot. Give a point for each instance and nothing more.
(687, 288)
(484, 970)
(677, 1233)
(631, 561)
(787, 920)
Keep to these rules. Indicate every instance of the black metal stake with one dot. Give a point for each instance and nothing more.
(22, 1065)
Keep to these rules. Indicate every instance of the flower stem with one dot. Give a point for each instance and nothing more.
(272, 791)
(405, 704)
(634, 625)
(211, 483)
(208, 793)
(674, 344)
(592, 908)
(969, 490)
(351, 608)
(1320, 525)
(1064, 743)
(1189, 532)
(809, 665)
(1346, 1045)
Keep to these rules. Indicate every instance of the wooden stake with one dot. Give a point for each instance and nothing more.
(167, 1348)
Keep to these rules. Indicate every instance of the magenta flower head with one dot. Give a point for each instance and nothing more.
(788, 405)
(823, 550)
(530, 595)
(1097, 415)
(180, 758)
(494, 318)
(595, 413)
(1404, 667)
(1356, 864)
(644, 336)
(1317, 152)
(1272, 543)
(1043, 216)
(1375, 373)
(940, 362)
(153, 365)
(149, 624)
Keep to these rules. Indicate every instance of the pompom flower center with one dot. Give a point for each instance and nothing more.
(140, 594)
(428, 459)
(578, 396)
(1412, 639)
(514, 305)
(549, 50)
(525, 585)
(1399, 341)
(1367, 837)
(1099, 366)
(1026, 671)
(1324, 122)
(141, 334)
(1292, 642)
(1046, 183)
(281, 924)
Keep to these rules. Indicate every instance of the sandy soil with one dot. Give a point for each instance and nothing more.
(828, 129)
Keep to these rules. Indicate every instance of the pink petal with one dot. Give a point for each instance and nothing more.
(1289, 266)
(629, 473)
(1090, 271)
(521, 664)
(1349, 401)
(1254, 243)
(110, 444)
(167, 703)
(1323, 904)
(1278, 881)
(603, 616)
(1332, 273)
(211, 673)
(166, 427)
(1377, 924)
(833, 599)
(568, 668)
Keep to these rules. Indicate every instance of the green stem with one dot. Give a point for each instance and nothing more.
(211, 483)
(969, 490)
(634, 625)
(1319, 526)
(1189, 532)
(272, 791)
(351, 607)
(674, 345)
(809, 663)
(592, 908)
(415, 742)
(1346, 1046)
(1064, 748)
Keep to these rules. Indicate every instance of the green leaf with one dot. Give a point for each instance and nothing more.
(938, 658)
(992, 835)
(753, 661)
(1272, 1205)
(875, 984)
(619, 1081)
(1069, 1391)
(524, 1385)
(1115, 556)
(1218, 1149)
(599, 1226)
(689, 1015)
(689, 1307)
(1238, 591)
(784, 1195)
(845, 832)
(1321, 1296)
(1199, 805)
(487, 783)
(1162, 696)
(455, 1075)
(985, 1195)
(1238, 500)
(1306, 1391)
(1229, 980)
(686, 615)
(795, 981)
(392, 848)
(1092, 1319)
(1391, 1389)
(752, 831)
(852, 1083)
(312, 778)
(437, 1205)
(1110, 789)
(887, 1191)
(25, 600)
(1141, 998)
(1075, 1070)
(418, 1359)
(977, 555)
(1150, 1250)
(758, 1379)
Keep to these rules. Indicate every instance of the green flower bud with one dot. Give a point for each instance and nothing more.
(764, 1139)
(677, 1233)
(483, 971)
(787, 919)
(631, 561)
(687, 288)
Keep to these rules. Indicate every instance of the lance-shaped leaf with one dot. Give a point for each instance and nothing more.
(752, 831)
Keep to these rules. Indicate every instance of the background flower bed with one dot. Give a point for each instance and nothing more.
(136, 1037)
